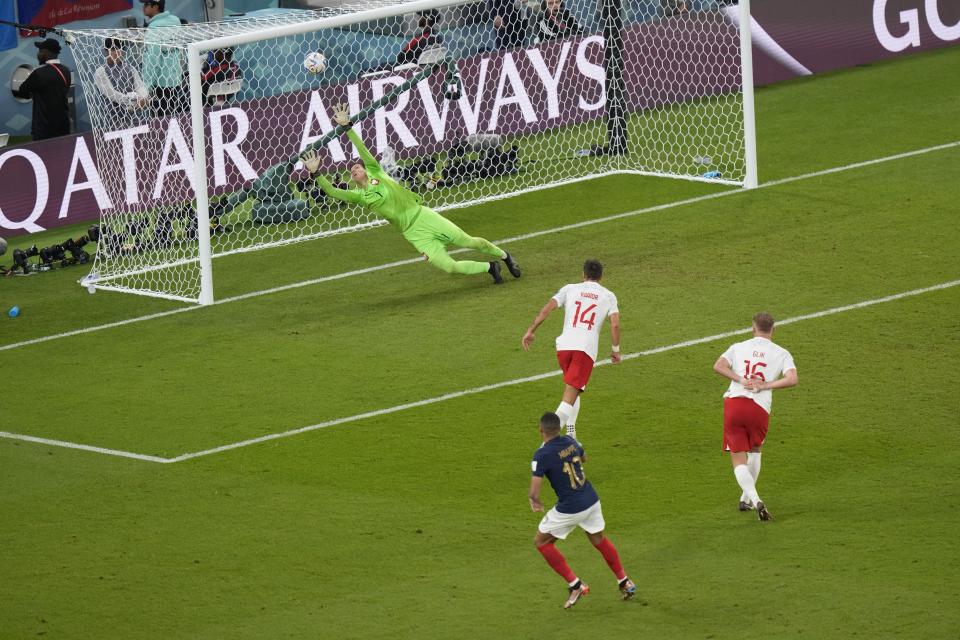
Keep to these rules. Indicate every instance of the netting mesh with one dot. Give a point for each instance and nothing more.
(482, 101)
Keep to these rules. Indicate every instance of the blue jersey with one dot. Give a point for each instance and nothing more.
(560, 460)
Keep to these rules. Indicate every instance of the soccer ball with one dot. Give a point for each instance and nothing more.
(315, 62)
(3, 246)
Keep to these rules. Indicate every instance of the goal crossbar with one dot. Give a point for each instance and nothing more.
(327, 22)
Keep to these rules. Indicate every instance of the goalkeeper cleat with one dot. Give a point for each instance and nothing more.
(494, 270)
(762, 512)
(627, 589)
(576, 592)
(512, 266)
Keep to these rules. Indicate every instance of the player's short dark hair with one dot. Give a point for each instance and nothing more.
(550, 422)
(593, 269)
(764, 321)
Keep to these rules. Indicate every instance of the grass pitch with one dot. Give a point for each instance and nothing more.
(415, 524)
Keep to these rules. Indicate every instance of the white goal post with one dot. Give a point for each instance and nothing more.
(198, 127)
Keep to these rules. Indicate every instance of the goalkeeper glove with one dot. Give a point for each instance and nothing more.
(341, 114)
(310, 160)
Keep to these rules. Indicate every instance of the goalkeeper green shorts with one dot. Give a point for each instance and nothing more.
(431, 232)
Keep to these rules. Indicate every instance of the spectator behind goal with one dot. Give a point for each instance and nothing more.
(218, 69)
(509, 22)
(163, 69)
(424, 39)
(120, 83)
(556, 22)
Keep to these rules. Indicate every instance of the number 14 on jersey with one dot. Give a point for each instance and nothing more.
(580, 316)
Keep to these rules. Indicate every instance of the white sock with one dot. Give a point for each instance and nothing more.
(572, 419)
(574, 412)
(564, 411)
(753, 463)
(745, 480)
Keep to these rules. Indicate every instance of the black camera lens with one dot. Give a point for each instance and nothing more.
(52, 253)
(75, 247)
(20, 259)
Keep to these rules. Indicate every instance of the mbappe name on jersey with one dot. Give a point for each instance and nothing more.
(568, 451)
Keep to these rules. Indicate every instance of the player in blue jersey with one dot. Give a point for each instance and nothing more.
(560, 459)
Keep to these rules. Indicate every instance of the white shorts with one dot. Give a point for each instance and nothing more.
(559, 525)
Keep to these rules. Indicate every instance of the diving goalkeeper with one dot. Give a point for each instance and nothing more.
(428, 231)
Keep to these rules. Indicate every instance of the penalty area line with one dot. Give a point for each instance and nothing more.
(465, 392)
(526, 236)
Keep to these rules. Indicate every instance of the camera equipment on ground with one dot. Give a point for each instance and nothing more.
(65, 254)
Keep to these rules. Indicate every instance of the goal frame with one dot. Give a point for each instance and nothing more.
(196, 50)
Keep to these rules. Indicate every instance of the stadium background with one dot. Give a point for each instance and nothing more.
(412, 522)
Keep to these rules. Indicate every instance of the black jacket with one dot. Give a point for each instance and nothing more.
(47, 86)
(558, 24)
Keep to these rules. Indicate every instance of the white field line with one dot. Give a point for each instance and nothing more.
(82, 447)
(551, 374)
(466, 392)
(526, 236)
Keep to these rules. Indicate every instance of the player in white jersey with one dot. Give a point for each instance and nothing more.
(586, 305)
(754, 367)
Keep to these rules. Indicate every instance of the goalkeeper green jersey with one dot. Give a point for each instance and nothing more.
(382, 195)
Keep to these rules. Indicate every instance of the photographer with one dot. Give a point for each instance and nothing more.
(47, 86)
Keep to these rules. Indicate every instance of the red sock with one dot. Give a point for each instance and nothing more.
(609, 553)
(556, 560)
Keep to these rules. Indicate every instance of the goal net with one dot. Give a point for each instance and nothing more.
(198, 127)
